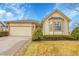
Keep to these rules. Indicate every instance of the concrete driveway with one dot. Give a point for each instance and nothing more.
(10, 44)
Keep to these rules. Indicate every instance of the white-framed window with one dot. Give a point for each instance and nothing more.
(57, 26)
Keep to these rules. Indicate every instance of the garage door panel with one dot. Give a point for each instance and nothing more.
(21, 31)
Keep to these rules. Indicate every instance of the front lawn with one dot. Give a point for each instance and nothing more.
(53, 48)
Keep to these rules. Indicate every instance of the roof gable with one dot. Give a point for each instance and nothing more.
(56, 11)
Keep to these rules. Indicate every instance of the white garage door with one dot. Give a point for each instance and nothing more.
(21, 31)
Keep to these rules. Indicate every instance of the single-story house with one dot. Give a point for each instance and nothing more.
(21, 27)
(56, 23)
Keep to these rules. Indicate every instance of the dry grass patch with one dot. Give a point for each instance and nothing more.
(53, 48)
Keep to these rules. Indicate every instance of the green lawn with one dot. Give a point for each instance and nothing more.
(53, 48)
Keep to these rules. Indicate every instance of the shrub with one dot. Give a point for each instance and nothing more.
(37, 35)
(57, 37)
(75, 33)
(4, 33)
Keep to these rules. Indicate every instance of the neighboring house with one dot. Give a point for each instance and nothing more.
(1, 26)
(56, 23)
(4, 27)
(21, 27)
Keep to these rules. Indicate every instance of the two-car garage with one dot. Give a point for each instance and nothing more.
(21, 28)
(21, 31)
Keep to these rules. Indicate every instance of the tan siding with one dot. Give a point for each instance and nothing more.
(46, 28)
(66, 29)
(64, 26)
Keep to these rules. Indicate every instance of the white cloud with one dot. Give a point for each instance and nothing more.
(4, 15)
(2, 11)
(77, 8)
(72, 13)
(15, 12)
(9, 14)
(13, 4)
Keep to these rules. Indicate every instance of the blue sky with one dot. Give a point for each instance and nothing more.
(38, 11)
